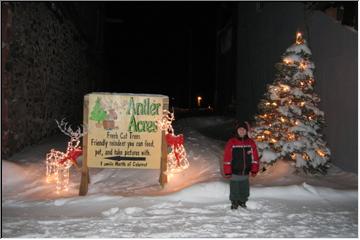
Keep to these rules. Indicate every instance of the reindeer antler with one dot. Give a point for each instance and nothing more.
(169, 116)
(68, 130)
(165, 121)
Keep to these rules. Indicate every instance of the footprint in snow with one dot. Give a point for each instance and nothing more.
(272, 215)
(253, 205)
(219, 206)
(60, 202)
(110, 212)
(195, 210)
(133, 210)
(167, 205)
(160, 212)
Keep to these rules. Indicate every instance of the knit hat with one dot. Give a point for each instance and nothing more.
(241, 124)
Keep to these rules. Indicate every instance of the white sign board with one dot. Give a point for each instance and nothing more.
(122, 130)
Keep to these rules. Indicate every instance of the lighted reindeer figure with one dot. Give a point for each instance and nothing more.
(58, 163)
(177, 160)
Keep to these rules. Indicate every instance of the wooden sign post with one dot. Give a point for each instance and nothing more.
(122, 133)
(163, 166)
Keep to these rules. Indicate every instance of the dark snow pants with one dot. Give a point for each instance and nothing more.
(239, 188)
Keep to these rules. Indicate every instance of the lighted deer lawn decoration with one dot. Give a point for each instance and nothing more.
(176, 159)
(58, 163)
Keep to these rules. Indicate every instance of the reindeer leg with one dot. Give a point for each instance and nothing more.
(58, 177)
(74, 162)
(66, 176)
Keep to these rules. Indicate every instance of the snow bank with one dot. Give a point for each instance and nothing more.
(13, 174)
(219, 191)
(26, 181)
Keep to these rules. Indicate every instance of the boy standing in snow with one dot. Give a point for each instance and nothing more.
(240, 158)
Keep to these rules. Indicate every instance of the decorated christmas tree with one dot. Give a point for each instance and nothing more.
(289, 124)
(98, 113)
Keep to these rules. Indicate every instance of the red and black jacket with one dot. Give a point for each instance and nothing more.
(241, 157)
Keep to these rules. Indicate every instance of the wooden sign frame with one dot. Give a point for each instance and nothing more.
(85, 175)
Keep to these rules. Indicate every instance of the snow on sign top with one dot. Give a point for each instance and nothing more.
(129, 94)
(122, 130)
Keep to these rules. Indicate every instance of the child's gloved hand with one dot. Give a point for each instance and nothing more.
(227, 175)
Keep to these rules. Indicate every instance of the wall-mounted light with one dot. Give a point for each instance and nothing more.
(199, 98)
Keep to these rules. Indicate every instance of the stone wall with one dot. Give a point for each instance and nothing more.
(45, 75)
(6, 22)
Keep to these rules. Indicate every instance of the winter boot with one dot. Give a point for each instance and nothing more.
(234, 205)
(242, 204)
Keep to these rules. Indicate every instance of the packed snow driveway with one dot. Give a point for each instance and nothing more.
(130, 203)
(198, 211)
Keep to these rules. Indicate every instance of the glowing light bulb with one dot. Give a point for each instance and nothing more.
(267, 132)
(291, 136)
(305, 156)
(302, 104)
(199, 98)
(293, 156)
(274, 104)
(320, 153)
(302, 66)
(299, 38)
(273, 140)
(285, 88)
(287, 61)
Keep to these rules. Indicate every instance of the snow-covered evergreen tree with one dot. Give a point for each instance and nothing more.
(289, 124)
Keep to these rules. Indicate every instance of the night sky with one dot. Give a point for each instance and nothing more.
(161, 47)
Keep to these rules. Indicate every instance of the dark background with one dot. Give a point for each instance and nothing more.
(161, 47)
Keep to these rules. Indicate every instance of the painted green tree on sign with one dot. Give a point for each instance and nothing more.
(98, 113)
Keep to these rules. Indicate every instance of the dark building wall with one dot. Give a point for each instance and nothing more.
(335, 54)
(263, 36)
(46, 74)
(225, 58)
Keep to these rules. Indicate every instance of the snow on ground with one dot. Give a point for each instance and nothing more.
(130, 203)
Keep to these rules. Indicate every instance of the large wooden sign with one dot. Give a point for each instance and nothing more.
(122, 131)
